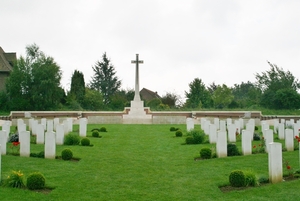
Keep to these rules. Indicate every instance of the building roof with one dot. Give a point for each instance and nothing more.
(7, 60)
(147, 94)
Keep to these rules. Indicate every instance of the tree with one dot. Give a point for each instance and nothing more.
(121, 99)
(274, 80)
(246, 94)
(104, 79)
(198, 96)
(78, 86)
(170, 99)
(34, 84)
(93, 100)
(222, 97)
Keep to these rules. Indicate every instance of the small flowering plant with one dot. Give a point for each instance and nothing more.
(289, 169)
(15, 180)
(15, 148)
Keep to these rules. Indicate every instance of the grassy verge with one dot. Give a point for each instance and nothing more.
(143, 162)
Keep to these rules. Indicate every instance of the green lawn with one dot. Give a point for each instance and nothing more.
(143, 162)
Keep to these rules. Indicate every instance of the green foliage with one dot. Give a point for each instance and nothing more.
(195, 137)
(172, 128)
(34, 84)
(250, 178)
(93, 100)
(85, 141)
(103, 129)
(206, 153)
(15, 180)
(232, 150)
(170, 99)
(279, 88)
(237, 178)
(41, 154)
(67, 154)
(72, 139)
(36, 181)
(13, 138)
(178, 133)
(78, 86)
(154, 103)
(256, 137)
(222, 97)
(263, 179)
(95, 133)
(104, 79)
(198, 96)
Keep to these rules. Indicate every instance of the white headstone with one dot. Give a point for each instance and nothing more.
(246, 142)
(275, 162)
(66, 128)
(21, 127)
(231, 133)
(202, 122)
(221, 147)
(296, 129)
(206, 127)
(212, 133)
(19, 122)
(241, 123)
(60, 134)
(40, 134)
(6, 128)
(34, 126)
(282, 121)
(50, 125)
(217, 123)
(82, 127)
(228, 121)
(289, 140)
(222, 125)
(0, 164)
(276, 123)
(3, 140)
(55, 123)
(189, 124)
(44, 123)
(27, 115)
(70, 124)
(268, 138)
(281, 131)
(50, 146)
(24, 139)
(30, 122)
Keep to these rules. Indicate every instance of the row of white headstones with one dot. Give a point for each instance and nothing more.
(48, 131)
(217, 132)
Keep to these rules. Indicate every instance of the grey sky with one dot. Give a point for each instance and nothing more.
(219, 41)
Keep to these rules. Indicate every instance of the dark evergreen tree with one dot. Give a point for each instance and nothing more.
(105, 79)
(198, 96)
(78, 86)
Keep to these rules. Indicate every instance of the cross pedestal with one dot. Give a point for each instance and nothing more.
(136, 112)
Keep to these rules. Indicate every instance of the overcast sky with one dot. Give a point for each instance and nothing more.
(219, 41)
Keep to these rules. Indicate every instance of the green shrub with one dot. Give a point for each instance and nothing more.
(189, 140)
(198, 137)
(232, 150)
(95, 133)
(85, 141)
(36, 181)
(205, 153)
(263, 179)
(250, 178)
(178, 133)
(72, 139)
(15, 180)
(256, 128)
(237, 178)
(256, 137)
(172, 129)
(66, 154)
(41, 154)
(103, 129)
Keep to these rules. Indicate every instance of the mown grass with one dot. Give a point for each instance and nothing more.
(143, 162)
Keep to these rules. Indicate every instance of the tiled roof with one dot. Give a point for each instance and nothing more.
(147, 94)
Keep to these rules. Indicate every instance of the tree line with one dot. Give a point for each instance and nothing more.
(34, 84)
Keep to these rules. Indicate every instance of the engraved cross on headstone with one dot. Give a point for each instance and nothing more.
(137, 87)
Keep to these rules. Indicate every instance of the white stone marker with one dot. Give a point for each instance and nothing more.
(30, 122)
(222, 125)
(221, 147)
(66, 128)
(282, 121)
(276, 123)
(60, 134)
(217, 123)
(40, 134)
(275, 162)
(228, 121)
(202, 122)
(21, 128)
(231, 133)
(206, 127)
(237, 126)
(296, 130)
(3, 140)
(34, 126)
(82, 127)
(44, 123)
(241, 123)
(281, 131)
(50, 146)
(6, 128)
(212, 133)
(24, 139)
(189, 124)
(0, 163)
(268, 138)
(246, 142)
(55, 123)
(50, 125)
(19, 122)
(70, 124)
(289, 140)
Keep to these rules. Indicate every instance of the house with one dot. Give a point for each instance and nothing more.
(148, 95)
(6, 66)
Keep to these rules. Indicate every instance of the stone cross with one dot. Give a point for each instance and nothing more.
(137, 87)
